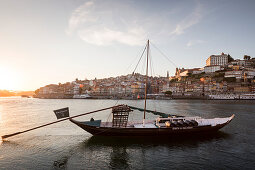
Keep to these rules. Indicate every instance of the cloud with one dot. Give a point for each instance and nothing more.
(79, 16)
(96, 24)
(194, 42)
(100, 23)
(106, 36)
(188, 21)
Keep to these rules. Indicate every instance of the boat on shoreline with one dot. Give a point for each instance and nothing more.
(250, 96)
(25, 96)
(81, 96)
(165, 125)
(247, 96)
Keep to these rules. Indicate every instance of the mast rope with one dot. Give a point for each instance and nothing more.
(164, 55)
(164, 115)
(140, 58)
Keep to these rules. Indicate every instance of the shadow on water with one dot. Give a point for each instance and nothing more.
(61, 163)
(118, 152)
(119, 158)
(119, 147)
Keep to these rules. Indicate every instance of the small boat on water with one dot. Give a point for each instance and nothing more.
(81, 96)
(25, 96)
(171, 125)
(165, 125)
(249, 96)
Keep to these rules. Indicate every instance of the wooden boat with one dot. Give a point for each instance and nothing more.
(165, 125)
(158, 127)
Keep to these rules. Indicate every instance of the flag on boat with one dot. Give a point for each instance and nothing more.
(61, 113)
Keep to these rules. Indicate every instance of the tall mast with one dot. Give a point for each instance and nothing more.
(146, 81)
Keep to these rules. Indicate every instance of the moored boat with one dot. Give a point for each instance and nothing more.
(250, 96)
(158, 127)
(81, 96)
(247, 96)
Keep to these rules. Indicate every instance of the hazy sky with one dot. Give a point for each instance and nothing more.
(51, 41)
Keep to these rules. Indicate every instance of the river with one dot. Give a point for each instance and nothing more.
(66, 146)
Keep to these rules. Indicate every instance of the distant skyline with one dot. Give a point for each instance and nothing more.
(46, 42)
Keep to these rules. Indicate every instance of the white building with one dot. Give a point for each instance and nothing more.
(219, 60)
(166, 87)
(199, 71)
(184, 73)
(173, 89)
(243, 63)
(76, 89)
(236, 74)
(211, 69)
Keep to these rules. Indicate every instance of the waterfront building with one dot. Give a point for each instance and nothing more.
(189, 88)
(173, 89)
(253, 88)
(135, 88)
(242, 89)
(76, 88)
(198, 87)
(165, 87)
(49, 89)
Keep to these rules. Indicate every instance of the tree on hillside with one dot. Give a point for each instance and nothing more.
(246, 57)
(229, 79)
(37, 91)
(168, 93)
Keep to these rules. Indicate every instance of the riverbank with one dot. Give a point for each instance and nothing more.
(157, 97)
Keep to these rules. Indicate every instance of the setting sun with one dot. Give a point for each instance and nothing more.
(9, 79)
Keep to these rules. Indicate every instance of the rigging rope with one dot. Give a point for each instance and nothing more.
(164, 115)
(164, 55)
(140, 58)
(133, 61)
(152, 83)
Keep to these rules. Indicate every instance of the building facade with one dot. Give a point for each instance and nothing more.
(217, 60)
(211, 69)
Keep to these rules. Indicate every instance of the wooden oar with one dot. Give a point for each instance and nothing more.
(17, 133)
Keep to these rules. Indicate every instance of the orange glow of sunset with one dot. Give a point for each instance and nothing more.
(9, 79)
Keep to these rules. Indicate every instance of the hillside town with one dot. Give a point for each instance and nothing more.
(221, 78)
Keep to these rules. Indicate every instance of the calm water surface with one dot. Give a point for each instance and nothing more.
(66, 146)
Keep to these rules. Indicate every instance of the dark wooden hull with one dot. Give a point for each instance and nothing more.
(131, 131)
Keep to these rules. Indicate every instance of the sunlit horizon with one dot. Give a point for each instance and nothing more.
(10, 79)
(49, 43)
